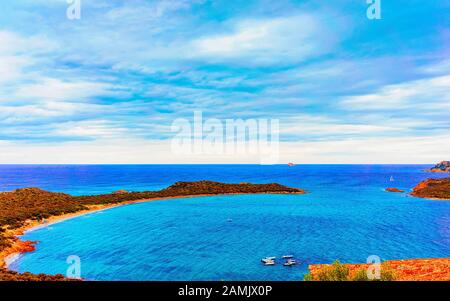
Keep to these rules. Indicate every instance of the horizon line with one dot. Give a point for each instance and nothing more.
(143, 164)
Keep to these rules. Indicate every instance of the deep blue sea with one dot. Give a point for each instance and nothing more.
(346, 215)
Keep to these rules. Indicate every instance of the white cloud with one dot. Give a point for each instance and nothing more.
(51, 89)
(441, 67)
(137, 11)
(44, 111)
(22, 73)
(268, 40)
(335, 129)
(48, 99)
(15, 44)
(18, 52)
(404, 150)
(93, 129)
(28, 94)
(11, 67)
(319, 127)
(392, 150)
(424, 94)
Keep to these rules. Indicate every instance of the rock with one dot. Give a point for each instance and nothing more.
(392, 189)
(443, 166)
(433, 189)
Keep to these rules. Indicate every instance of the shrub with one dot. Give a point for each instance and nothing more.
(308, 277)
(386, 274)
(361, 275)
(336, 272)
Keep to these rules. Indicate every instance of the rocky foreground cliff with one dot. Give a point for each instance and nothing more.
(423, 269)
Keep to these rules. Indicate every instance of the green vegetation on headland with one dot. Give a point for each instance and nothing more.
(6, 275)
(22, 205)
(33, 203)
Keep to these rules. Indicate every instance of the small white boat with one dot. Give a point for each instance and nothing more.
(268, 260)
(290, 263)
(288, 256)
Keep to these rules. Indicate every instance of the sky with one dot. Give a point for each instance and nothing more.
(107, 87)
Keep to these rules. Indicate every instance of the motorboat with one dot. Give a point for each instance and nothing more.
(290, 262)
(268, 260)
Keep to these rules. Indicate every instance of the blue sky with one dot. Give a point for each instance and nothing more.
(106, 88)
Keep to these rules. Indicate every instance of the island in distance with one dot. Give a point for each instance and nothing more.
(443, 166)
(393, 189)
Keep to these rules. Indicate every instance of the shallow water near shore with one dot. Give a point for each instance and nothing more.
(346, 215)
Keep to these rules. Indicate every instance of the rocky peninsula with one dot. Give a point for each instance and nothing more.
(27, 208)
(438, 189)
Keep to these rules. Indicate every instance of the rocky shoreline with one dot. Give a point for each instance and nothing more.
(437, 189)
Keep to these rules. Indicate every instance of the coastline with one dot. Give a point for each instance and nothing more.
(433, 189)
(409, 269)
(18, 247)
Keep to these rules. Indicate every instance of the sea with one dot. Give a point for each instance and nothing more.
(346, 215)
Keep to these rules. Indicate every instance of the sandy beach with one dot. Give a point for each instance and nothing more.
(8, 255)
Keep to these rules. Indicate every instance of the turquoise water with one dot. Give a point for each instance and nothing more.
(346, 215)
